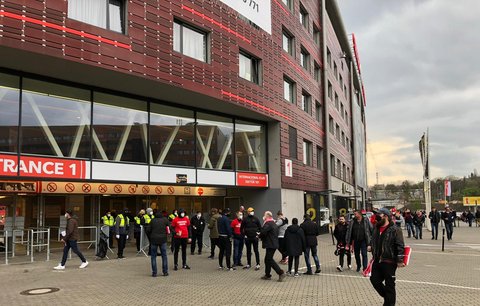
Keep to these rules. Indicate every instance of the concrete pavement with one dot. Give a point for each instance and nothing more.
(432, 278)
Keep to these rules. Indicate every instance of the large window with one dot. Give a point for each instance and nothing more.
(337, 103)
(172, 139)
(303, 16)
(305, 59)
(318, 112)
(307, 153)
(288, 43)
(316, 35)
(319, 158)
(250, 146)
(249, 67)
(55, 120)
(214, 142)
(288, 4)
(306, 103)
(288, 90)
(329, 58)
(331, 125)
(9, 108)
(332, 165)
(329, 90)
(120, 128)
(107, 14)
(317, 72)
(292, 142)
(190, 41)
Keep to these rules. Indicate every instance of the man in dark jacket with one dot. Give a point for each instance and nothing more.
(122, 226)
(448, 218)
(158, 230)
(340, 234)
(250, 228)
(212, 226)
(295, 245)
(435, 218)
(225, 240)
(269, 236)
(198, 226)
(409, 223)
(418, 221)
(69, 238)
(359, 233)
(311, 231)
(387, 252)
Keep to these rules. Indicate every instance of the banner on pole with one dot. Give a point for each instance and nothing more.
(448, 188)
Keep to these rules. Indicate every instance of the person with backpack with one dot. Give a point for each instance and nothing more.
(311, 231)
(250, 228)
(282, 223)
(295, 245)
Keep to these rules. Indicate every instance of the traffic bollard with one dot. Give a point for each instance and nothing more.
(443, 240)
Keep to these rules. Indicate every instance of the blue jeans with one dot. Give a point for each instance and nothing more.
(237, 250)
(153, 257)
(418, 231)
(360, 247)
(410, 229)
(449, 228)
(71, 244)
(434, 230)
(313, 249)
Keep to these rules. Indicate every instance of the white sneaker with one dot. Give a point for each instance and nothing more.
(349, 267)
(83, 265)
(339, 269)
(257, 267)
(59, 267)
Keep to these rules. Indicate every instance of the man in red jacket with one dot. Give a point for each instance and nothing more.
(181, 227)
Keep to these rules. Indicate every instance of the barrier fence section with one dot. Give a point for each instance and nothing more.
(144, 242)
(21, 233)
(38, 235)
(95, 241)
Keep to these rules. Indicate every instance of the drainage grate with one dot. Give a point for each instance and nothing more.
(39, 291)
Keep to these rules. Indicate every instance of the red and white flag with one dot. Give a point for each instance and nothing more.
(448, 188)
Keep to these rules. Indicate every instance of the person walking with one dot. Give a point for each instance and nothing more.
(387, 251)
(311, 231)
(212, 226)
(295, 245)
(198, 226)
(418, 221)
(109, 220)
(359, 233)
(158, 231)
(470, 218)
(435, 218)
(269, 236)
(122, 226)
(172, 216)
(181, 226)
(340, 234)
(251, 229)
(398, 218)
(448, 218)
(225, 240)
(70, 238)
(409, 223)
(238, 240)
(282, 223)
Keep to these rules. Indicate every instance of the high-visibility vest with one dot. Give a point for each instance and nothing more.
(122, 220)
(147, 218)
(137, 220)
(110, 221)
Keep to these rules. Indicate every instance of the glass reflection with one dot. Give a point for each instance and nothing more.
(55, 119)
(120, 128)
(214, 142)
(250, 146)
(9, 108)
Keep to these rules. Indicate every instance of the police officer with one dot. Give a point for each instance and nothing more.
(109, 220)
(122, 225)
(137, 229)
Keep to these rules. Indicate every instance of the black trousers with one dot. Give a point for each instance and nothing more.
(290, 262)
(111, 235)
(435, 230)
(270, 263)
(180, 242)
(213, 244)
(341, 256)
(136, 235)
(384, 272)
(197, 238)
(225, 245)
(249, 242)
(281, 249)
(121, 244)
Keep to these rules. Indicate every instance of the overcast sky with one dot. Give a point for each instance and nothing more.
(420, 64)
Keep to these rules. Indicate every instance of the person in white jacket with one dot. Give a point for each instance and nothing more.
(282, 223)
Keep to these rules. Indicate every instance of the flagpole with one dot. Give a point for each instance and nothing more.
(428, 203)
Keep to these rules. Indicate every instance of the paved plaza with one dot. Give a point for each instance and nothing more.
(432, 278)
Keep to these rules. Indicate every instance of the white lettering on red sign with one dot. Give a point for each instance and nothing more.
(41, 167)
(252, 179)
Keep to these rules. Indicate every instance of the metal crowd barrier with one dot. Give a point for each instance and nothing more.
(39, 242)
(144, 242)
(21, 233)
(95, 241)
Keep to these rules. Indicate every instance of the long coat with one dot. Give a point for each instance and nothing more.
(295, 243)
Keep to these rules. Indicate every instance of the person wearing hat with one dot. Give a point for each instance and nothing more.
(181, 228)
(145, 222)
(359, 233)
(109, 220)
(250, 228)
(137, 229)
(387, 251)
(69, 238)
(311, 231)
(122, 226)
(224, 240)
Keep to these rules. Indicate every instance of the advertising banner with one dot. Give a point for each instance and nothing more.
(471, 201)
(257, 11)
(252, 179)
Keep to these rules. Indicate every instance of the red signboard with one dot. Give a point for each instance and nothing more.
(42, 167)
(252, 179)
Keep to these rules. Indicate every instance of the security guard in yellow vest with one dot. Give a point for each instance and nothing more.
(137, 229)
(147, 218)
(109, 220)
(122, 224)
